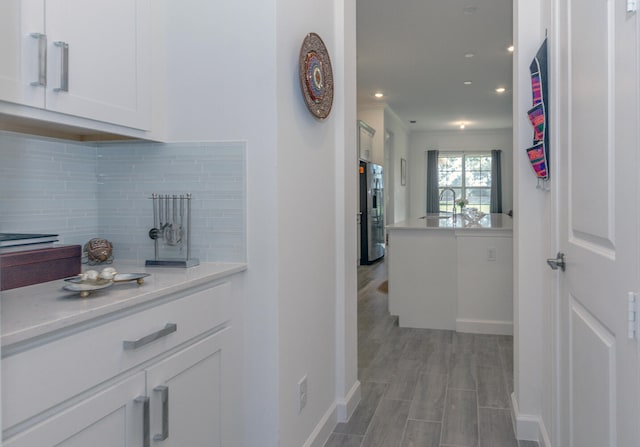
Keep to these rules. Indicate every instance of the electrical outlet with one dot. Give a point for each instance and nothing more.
(491, 254)
(302, 393)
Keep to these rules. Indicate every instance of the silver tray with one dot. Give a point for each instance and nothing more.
(118, 278)
(128, 277)
(86, 286)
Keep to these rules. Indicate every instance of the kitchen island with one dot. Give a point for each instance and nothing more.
(447, 273)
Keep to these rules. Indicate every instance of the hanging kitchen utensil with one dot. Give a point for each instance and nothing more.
(171, 232)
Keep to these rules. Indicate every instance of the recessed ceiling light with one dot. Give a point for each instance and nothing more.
(501, 90)
(469, 55)
(378, 95)
(511, 48)
(462, 125)
(468, 82)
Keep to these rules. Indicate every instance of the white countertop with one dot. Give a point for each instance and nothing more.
(434, 222)
(40, 309)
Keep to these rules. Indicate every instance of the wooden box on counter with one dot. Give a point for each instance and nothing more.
(27, 267)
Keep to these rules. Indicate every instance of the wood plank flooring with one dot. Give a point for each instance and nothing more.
(426, 388)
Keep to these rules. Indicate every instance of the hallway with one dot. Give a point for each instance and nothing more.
(424, 387)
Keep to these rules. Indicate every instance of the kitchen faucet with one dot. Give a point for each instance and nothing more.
(454, 199)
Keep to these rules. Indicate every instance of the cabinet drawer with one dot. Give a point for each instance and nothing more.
(40, 378)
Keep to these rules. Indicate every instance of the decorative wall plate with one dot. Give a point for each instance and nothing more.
(316, 76)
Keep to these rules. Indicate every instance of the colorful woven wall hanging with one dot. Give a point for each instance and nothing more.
(539, 115)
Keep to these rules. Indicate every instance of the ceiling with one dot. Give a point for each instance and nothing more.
(413, 51)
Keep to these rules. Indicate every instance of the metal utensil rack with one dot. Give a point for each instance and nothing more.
(171, 232)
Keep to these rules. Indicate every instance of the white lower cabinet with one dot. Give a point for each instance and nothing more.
(111, 418)
(186, 395)
(177, 395)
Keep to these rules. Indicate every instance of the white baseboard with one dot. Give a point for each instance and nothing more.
(484, 326)
(346, 406)
(543, 438)
(340, 411)
(323, 430)
(528, 427)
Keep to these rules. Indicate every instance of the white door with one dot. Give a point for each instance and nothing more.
(598, 198)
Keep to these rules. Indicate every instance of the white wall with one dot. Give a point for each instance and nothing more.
(533, 242)
(458, 140)
(400, 193)
(232, 75)
(546, 329)
(306, 216)
(221, 85)
(347, 385)
(374, 117)
(382, 118)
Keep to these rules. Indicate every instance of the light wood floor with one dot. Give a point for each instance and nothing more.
(423, 387)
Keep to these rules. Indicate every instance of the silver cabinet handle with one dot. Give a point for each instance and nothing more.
(144, 400)
(164, 397)
(64, 67)
(42, 59)
(135, 344)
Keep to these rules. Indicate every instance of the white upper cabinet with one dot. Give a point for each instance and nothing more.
(85, 58)
(21, 33)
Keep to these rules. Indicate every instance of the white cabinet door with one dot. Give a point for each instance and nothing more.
(21, 24)
(108, 60)
(195, 383)
(111, 418)
(105, 73)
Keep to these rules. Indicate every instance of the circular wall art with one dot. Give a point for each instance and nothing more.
(316, 76)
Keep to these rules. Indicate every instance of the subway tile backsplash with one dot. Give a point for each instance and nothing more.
(48, 186)
(214, 173)
(82, 191)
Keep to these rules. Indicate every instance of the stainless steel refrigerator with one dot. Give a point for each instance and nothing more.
(371, 213)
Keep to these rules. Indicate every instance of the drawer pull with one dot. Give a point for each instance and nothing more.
(135, 344)
(164, 398)
(144, 400)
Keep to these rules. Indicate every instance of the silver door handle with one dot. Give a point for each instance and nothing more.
(135, 344)
(558, 262)
(144, 400)
(42, 59)
(64, 66)
(164, 398)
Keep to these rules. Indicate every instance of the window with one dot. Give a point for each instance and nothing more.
(469, 174)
